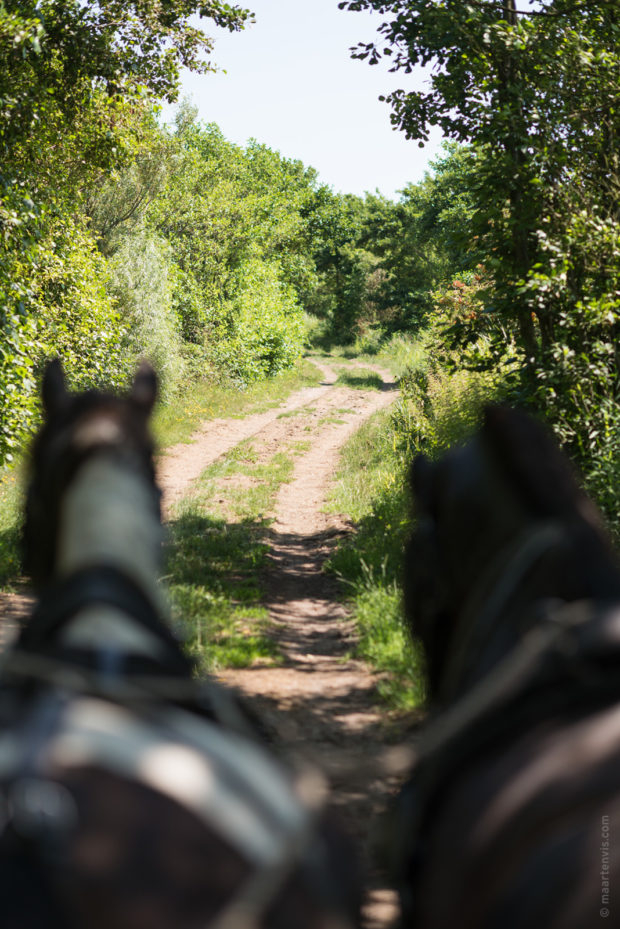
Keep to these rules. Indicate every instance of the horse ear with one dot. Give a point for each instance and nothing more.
(144, 388)
(530, 455)
(54, 389)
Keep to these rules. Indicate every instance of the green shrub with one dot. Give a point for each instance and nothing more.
(11, 503)
(261, 331)
(19, 225)
(53, 302)
(454, 372)
(78, 320)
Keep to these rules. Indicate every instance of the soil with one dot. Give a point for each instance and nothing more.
(320, 704)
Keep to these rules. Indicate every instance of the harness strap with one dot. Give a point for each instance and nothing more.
(493, 595)
(103, 584)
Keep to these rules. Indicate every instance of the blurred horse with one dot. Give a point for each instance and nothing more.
(511, 816)
(131, 797)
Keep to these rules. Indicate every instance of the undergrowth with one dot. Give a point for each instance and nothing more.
(397, 353)
(11, 503)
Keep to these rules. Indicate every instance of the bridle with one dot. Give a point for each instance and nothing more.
(105, 585)
(490, 599)
(57, 460)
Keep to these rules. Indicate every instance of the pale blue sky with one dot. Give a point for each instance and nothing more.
(291, 84)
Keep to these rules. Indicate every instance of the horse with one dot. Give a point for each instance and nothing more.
(510, 814)
(132, 796)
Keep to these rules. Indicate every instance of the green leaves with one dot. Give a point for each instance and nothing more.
(75, 84)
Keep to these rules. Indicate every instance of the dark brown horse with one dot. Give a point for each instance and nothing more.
(511, 817)
(130, 796)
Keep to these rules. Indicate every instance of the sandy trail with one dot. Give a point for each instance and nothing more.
(185, 462)
(320, 704)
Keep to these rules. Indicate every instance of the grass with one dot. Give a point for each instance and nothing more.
(216, 559)
(400, 353)
(371, 489)
(212, 578)
(176, 420)
(11, 503)
(397, 353)
(248, 500)
(290, 413)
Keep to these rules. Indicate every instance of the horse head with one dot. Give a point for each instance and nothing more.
(513, 588)
(502, 523)
(76, 427)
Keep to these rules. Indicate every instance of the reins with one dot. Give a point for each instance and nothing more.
(491, 597)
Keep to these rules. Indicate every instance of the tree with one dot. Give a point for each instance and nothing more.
(533, 90)
(75, 80)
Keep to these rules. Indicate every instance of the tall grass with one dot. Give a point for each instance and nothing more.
(371, 489)
(437, 409)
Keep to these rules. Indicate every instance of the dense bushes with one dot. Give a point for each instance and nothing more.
(261, 330)
(120, 237)
(190, 251)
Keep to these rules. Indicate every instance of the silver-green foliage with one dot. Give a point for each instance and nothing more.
(141, 281)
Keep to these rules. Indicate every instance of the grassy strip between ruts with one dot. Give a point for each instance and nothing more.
(216, 558)
(371, 489)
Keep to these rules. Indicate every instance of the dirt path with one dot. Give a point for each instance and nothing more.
(320, 704)
(183, 463)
